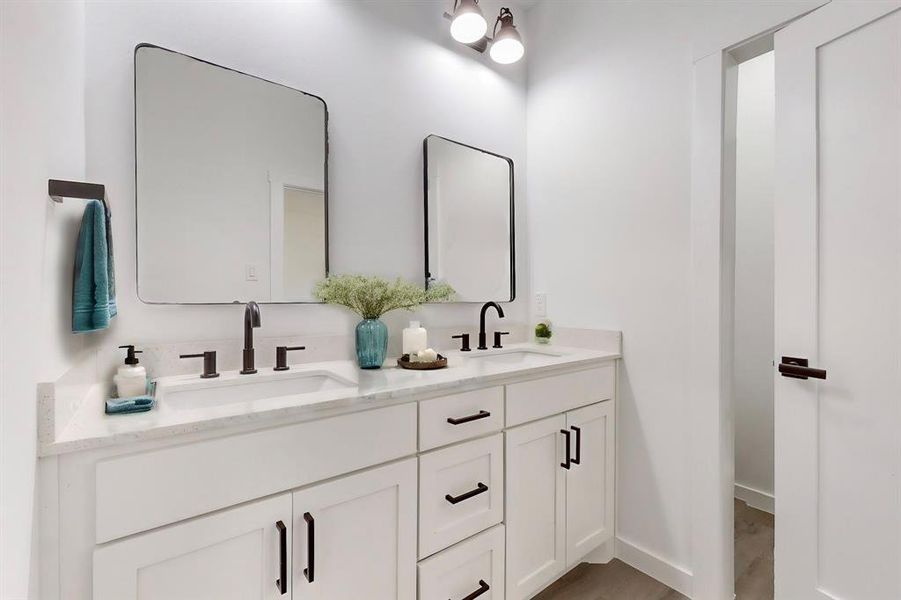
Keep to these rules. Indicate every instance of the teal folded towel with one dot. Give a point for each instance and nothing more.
(119, 406)
(94, 285)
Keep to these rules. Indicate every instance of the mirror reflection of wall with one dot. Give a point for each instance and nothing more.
(231, 184)
(469, 213)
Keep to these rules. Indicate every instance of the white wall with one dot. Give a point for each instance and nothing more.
(42, 124)
(609, 151)
(390, 74)
(753, 375)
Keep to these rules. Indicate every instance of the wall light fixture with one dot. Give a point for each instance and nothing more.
(468, 26)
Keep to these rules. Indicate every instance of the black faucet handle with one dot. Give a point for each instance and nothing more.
(497, 338)
(209, 363)
(281, 356)
(465, 337)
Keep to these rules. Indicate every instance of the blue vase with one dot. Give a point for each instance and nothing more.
(372, 343)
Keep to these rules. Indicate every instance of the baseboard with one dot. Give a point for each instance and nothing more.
(649, 563)
(755, 498)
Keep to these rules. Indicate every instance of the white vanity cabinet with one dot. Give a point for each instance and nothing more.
(235, 554)
(465, 494)
(355, 537)
(560, 487)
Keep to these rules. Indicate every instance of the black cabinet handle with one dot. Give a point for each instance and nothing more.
(311, 547)
(282, 582)
(483, 587)
(578, 459)
(482, 414)
(480, 489)
(797, 368)
(567, 433)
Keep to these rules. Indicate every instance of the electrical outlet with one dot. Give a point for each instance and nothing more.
(250, 272)
(541, 305)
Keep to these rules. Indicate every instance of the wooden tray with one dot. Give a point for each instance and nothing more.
(404, 363)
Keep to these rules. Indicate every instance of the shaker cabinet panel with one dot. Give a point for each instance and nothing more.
(474, 566)
(461, 492)
(590, 481)
(232, 555)
(536, 506)
(355, 537)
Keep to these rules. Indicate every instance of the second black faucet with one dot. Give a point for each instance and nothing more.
(251, 321)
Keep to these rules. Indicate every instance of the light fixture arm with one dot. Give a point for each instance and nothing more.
(505, 15)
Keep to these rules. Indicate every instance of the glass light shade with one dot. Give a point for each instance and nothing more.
(469, 25)
(507, 50)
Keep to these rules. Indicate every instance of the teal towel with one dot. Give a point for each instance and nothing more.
(94, 285)
(119, 406)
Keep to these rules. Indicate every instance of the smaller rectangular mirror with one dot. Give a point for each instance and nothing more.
(469, 234)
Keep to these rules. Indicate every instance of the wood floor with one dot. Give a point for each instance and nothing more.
(754, 537)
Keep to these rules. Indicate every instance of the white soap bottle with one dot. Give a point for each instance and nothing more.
(415, 338)
(131, 378)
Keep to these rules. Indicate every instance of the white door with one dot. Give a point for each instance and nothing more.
(838, 303)
(536, 505)
(242, 553)
(589, 483)
(355, 537)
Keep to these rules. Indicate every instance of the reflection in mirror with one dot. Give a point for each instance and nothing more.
(231, 184)
(469, 234)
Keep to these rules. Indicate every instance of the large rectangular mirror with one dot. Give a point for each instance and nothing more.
(232, 184)
(469, 236)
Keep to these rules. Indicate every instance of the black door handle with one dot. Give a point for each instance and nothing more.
(480, 489)
(569, 460)
(482, 414)
(797, 368)
(282, 582)
(311, 547)
(578, 459)
(483, 587)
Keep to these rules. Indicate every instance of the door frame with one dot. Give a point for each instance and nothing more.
(712, 265)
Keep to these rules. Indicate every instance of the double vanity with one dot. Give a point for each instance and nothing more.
(486, 479)
(490, 479)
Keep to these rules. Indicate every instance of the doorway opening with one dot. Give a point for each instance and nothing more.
(753, 325)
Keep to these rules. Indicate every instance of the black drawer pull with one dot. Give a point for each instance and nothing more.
(482, 414)
(483, 587)
(311, 547)
(567, 434)
(282, 582)
(480, 489)
(578, 459)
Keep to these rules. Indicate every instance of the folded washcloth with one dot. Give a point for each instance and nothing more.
(132, 405)
(94, 284)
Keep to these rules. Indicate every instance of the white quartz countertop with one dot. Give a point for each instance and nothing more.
(89, 427)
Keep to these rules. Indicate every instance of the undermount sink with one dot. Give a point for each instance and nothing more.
(513, 356)
(233, 388)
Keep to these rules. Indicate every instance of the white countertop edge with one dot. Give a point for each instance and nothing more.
(91, 429)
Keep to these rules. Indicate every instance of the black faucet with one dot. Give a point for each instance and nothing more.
(482, 336)
(251, 320)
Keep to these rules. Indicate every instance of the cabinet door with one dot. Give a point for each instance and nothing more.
(590, 481)
(235, 554)
(355, 537)
(535, 506)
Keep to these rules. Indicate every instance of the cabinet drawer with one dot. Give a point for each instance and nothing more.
(455, 418)
(539, 398)
(461, 492)
(141, 491)
(470, 566)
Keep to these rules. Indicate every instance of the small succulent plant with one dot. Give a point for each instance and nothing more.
(543, 331)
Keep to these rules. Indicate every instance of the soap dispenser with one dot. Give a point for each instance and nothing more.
(415, 339)
(131, 378)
